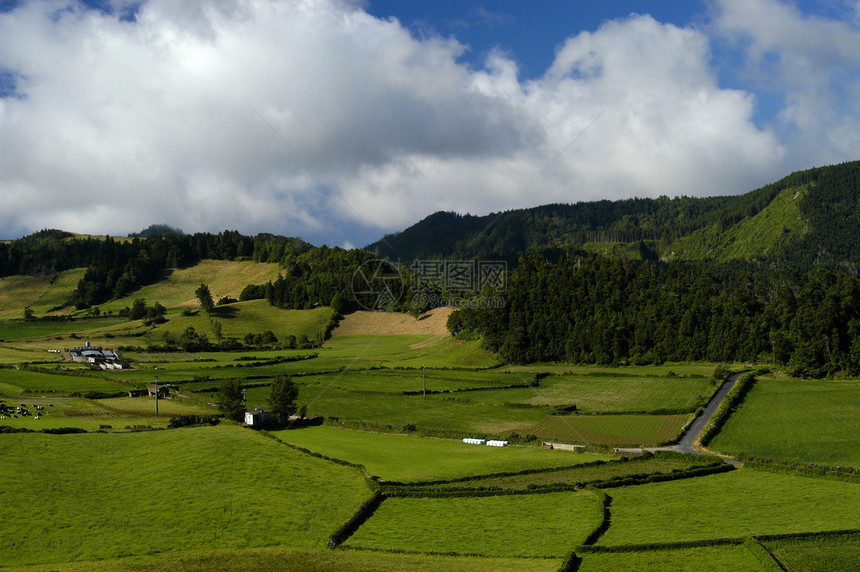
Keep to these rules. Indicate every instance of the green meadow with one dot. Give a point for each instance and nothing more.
(96, 496)
(407, 458)
(585, 473)
(290, 558)
(804, 421)
(836, 553)
(134, 495)
(727, 557)
(738, 504)
(489, 526)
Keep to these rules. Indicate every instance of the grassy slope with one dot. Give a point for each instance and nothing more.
(93, 496)
(405, 458)
(807, 421)
(730, 505)
(774, 227)
(731, 557)
(522, 525)
(224, 278)
(18, 292)
(252, 316)
(284, 558)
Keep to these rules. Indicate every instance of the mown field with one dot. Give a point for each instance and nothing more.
(804, 421)
(614, 430)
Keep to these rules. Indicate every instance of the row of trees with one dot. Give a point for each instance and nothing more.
(602, 310)
(281, 400)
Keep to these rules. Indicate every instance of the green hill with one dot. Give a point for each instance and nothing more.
(805, 220)
(772, 230)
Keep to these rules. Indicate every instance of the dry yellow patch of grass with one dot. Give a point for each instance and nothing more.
(433, 323)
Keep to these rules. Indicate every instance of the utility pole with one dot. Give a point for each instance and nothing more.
(156, 395)
(424, 379)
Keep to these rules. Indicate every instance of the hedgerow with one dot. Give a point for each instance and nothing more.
(734, 398)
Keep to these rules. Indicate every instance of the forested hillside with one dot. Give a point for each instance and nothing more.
(602, 310)
(807, 220)
(116, 268)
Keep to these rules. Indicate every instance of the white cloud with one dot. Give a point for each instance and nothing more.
(309, 116)
(813, 62)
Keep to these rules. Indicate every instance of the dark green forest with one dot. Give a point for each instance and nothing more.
(611, 311)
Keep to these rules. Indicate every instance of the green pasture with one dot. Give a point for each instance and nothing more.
(726, 557)
(224, 278)
(92, 415)
(19, 329)
(730, 505)
(447, 352)
(400, 380)
(435, 413)
(19, 292)
(805, 421)
(544, 525)
(584, 474)
(95, 496)
(668, 369)
(290, 558)
(23, 381)
(406, 458)
(58, 293)
(839, 553)
(611, 430)
(145, 406)
(241, 318)
(608, 394)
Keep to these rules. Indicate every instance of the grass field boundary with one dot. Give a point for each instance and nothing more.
(364, 512)
(763, 555)
(664, 477)
(605, 521)
(451, 553)
(722, 541)
(731, 402)
(812, 470)
(591, 548)
(363, 469)
(410, 491)
(806, 535)
(501, 474)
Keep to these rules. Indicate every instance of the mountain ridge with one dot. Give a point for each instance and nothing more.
(805, 220)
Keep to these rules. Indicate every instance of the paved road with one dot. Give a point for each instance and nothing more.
(685, 444)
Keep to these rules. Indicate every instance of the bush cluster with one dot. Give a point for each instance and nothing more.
(193, 421)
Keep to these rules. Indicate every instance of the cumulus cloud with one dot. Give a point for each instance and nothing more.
(310, 117)
(812, 62)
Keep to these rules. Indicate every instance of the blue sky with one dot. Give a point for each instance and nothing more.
(342, 120)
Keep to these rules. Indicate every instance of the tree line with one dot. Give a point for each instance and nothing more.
(600, 310)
